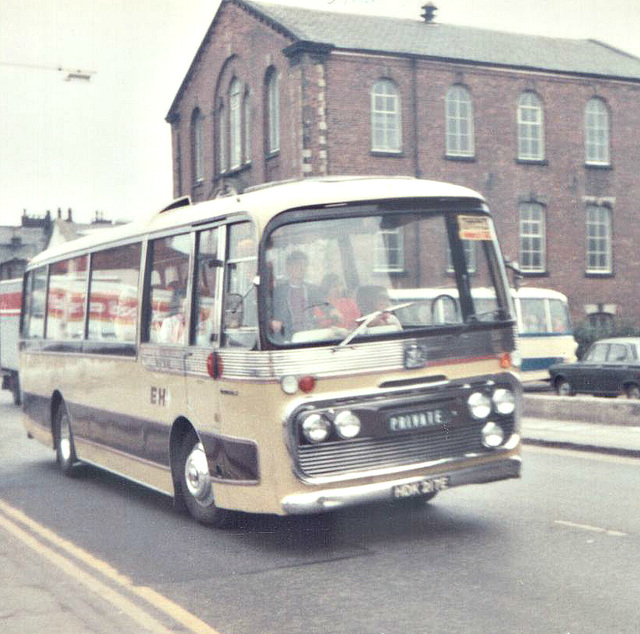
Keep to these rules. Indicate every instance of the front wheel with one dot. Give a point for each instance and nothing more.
(632, 391)
(63, 438)
(564, 388)
(197, 487)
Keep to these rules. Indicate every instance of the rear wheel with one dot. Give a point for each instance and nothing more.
(632, 391)
(564, 388)
(197, 487)
(15, 388)
(63, 438)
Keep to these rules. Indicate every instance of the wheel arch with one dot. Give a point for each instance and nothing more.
(56, 401)
(179, 430)
(557, 378)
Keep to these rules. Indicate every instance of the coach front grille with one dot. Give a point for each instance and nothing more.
(399, 450)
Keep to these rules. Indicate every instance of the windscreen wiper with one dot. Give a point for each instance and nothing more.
(365, 320)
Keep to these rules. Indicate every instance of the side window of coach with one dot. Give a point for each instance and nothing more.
(240, 316)
(169, 263)
(207, 270)
(35, 302)
(113, 313)
(66, 303)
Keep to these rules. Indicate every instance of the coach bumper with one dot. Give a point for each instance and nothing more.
(332, 499)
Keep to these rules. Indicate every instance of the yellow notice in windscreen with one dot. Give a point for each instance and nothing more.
(474, 228)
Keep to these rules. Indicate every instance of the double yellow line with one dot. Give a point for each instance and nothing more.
(98, 576)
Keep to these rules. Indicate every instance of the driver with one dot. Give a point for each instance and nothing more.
(294, 298)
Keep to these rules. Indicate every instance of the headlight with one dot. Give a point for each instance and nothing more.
(492, 435)
(479, 405)
(316, 428)
(347, 424)
(504, 401)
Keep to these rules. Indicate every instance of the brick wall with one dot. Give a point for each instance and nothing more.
(325, 128)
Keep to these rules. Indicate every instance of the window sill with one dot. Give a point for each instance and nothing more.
(598, 275)
(272, 155)
(234, 171)
(393, 272)
(606, 167)
(524, 161)
(534, 273)
(387, 153)
(460, 158)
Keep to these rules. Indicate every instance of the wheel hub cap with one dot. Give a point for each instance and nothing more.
(65, 439)
(197, 477)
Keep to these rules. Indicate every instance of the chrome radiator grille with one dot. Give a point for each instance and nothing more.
(364, 454)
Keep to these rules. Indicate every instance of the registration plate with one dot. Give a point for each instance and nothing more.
(419, 488)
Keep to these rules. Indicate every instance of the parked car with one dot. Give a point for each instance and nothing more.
(609, 368)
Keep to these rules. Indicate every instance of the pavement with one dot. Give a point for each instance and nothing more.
(37, 595)
(621, 440)
(42, 591)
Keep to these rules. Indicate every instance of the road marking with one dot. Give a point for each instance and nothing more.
(593, 529)
(155, 599)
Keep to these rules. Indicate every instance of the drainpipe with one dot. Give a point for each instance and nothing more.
(414, 109)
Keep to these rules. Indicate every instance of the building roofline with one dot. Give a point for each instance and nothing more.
(249, 8)
(496, 65)
(301, 42)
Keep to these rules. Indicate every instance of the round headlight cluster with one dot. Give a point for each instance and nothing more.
(479, 405)
(317, 428)
(347, 424)
(502, 401)
(492, 435)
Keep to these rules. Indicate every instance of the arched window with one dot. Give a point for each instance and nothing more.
(246, 114)
(385, 117)
(197, 145)
(530, 128)
(532, 238)
(235, 125)
(459, 118)
(599, 244)
(596, 125)
(222, 140)
(273, 112)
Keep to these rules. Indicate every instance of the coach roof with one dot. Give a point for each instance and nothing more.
(262, 203)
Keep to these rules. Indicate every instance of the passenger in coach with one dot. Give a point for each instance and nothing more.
(172, 329)
(338, 308)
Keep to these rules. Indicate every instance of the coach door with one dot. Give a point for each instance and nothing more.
(202, 391)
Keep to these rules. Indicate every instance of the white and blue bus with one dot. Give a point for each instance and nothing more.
(545, 334)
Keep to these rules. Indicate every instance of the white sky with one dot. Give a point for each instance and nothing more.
(104, 145)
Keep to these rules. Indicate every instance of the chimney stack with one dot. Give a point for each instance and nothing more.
(429, 12)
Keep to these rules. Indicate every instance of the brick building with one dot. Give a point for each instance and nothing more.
(546, 129)
(18, 244)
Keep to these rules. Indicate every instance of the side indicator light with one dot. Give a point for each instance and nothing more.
(505, 360)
